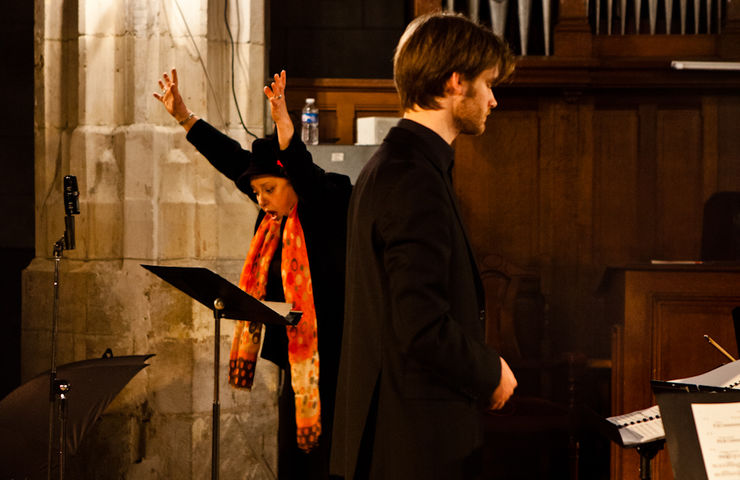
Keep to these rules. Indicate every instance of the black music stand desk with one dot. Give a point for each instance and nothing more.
(227, 301)
(682, 441)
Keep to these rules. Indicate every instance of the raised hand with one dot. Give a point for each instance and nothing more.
(172, 100)
(275, 92)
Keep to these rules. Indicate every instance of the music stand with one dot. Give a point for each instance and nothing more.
(682, 440)
(227, 301)
(647, 450)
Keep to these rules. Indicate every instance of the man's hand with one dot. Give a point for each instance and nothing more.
(505, 387)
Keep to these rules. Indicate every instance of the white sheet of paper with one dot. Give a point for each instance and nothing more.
(281, 308)
(727, 375)
(718, 429)
(639, 427)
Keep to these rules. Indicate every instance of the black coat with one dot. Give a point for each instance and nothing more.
(322, 210)
(414, 363)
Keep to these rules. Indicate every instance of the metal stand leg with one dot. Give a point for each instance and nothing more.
(62, 389)
(647, 453)
(57, 388)
(218, 305)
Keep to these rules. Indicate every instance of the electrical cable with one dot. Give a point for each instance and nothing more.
(233, 88)
(200, 59)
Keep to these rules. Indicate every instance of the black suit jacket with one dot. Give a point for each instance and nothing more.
(414, 363)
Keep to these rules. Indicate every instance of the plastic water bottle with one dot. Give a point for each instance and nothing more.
(310, 122)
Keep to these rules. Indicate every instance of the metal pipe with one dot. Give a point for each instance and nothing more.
(499, 9)
(697, 6)
(719, 17)
(652, 14)
(546, 24)
(525, 7)
(709, 16)
(623, 15)
(609, 8)
(473, 10)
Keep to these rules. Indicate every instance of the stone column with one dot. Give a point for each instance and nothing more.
(146, 196)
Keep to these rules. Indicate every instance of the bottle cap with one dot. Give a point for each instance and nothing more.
(310, 100)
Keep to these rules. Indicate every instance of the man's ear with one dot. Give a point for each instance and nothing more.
(454, 85)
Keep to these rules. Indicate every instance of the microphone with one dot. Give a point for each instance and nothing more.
(71, 207)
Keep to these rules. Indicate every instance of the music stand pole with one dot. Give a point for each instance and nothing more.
(647, 452)
(218, 307)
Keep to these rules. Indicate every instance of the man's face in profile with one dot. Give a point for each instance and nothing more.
(471, 111)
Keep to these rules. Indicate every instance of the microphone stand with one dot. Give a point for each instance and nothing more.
(58, 388)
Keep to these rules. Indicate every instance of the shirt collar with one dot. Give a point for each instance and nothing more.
(435, 147)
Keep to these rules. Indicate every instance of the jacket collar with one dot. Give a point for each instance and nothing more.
(439, 152)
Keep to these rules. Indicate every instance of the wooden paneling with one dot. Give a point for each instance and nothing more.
(679, 46)
(728, 141)
(617, 233)
(572, 183)
(506, 179)
(680, 183)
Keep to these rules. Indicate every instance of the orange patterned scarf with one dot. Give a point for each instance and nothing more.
(303, 353)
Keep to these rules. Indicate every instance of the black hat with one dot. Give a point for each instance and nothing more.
(264, 161)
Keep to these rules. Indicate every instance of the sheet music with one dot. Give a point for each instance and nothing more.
(641, 426)
(727, 375)
(282, 309)
(718, 429)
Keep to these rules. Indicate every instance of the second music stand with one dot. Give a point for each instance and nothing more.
(227, 301)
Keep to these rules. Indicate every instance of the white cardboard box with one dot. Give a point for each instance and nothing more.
(372, 130)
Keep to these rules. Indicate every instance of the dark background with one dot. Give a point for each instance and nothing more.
(335, 38)
(16, 183)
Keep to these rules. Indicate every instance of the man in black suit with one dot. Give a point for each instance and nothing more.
(415, 371)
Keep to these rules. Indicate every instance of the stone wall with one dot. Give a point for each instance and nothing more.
(146, 196)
